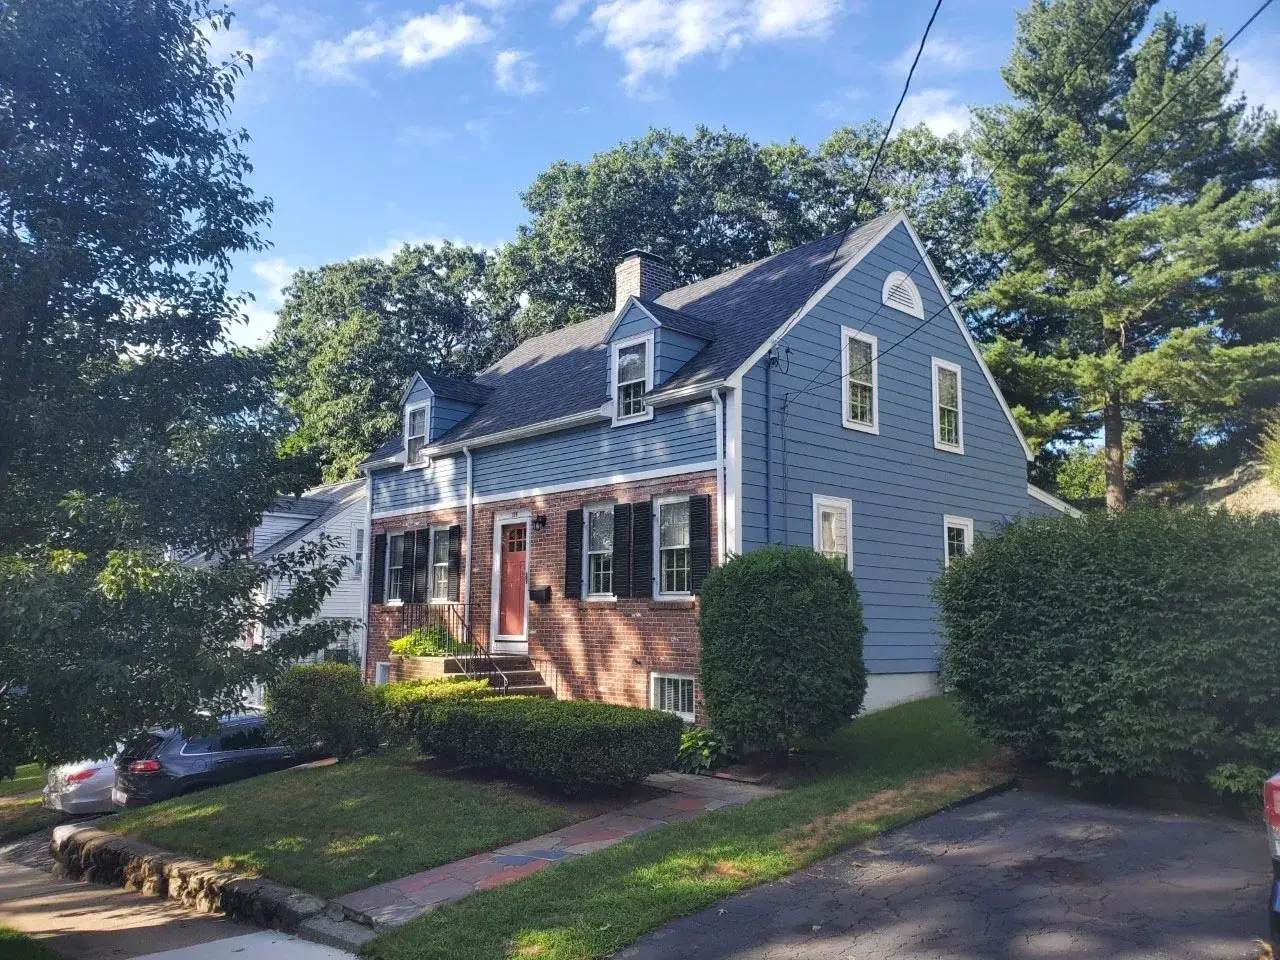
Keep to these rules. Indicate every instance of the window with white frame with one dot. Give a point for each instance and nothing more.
(948, 416)
(396, 581)
(861, 387)
(357, 554)
(632, 378)
(381, 673)
(959, 537)
(415, 433)
(672, 693)
(832, 529)
(599, 551)
(440, 563)
(675, 575)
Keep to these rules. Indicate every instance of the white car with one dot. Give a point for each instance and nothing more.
(83, 787)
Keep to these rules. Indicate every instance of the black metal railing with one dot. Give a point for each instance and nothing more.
(450, 633)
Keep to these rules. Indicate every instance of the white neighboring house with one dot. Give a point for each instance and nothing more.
(335, 509)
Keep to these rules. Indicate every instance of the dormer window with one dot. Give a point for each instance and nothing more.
(415, 434)
(632, 378)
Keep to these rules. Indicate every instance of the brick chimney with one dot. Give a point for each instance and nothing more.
(642, 274)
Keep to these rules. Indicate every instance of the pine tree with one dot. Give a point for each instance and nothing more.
(1156, 285)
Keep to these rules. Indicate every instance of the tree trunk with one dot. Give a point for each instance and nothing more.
(1113, 450)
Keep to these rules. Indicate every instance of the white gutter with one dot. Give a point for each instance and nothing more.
(364, 578)
(659, 398)
(466, 604)
(519, 433)
(718, 396)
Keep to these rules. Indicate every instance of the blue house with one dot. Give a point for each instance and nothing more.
(561, 510)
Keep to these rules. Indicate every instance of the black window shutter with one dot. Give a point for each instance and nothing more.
(455, 561)
(642, 549)
(378, 582)
(421, 564)
(573, 554)
(622, 550)
(699, 540)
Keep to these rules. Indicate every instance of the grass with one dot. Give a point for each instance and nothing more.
(30, 776)
(20, 817)
(18, 946)
(331, 830)
(877, 773)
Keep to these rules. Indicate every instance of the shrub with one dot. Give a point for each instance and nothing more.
(701, 751)
(781, 647)
(426, 642)
(323, 706)
(570, 744)
(398, 705)
(1141, 644)
(1269, 448)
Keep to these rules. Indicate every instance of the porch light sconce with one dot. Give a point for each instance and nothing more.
(540, 522)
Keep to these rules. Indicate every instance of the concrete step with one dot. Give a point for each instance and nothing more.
(532, 690)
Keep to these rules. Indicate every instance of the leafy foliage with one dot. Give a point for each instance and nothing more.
(433, 641)
(1156, 285)
(1144, 643)
(701, 751)
(129, 431)
(322, 707)
(399, 705)
(781, 637)
(574, 745)
(1270, 450)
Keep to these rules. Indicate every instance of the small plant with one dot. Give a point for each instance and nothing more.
(701, 751)
(426, 642)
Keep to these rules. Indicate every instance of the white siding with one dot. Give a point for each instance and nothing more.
(274, 526)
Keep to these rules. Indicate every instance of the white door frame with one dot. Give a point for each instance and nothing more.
(501, 644)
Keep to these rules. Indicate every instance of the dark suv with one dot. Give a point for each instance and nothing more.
(162, 764)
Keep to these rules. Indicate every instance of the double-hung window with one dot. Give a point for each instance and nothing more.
(632, 378)
(675, 575)
(397, 581)
(672, 694)
(599, 551)
(357, 556)
(948, 412)
(415, 434)
(832, 523)
(958, 532)
(440, 563)
(861, 387)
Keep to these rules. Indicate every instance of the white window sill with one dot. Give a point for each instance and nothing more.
(637, 418)
(862, 427)
(418, 466)
(949, 448)
(674, 598)
(393, 603)
(600, 599)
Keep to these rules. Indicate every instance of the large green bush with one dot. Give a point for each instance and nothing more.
(399, 705)
(781, 647)
(1141, 644)
(323, 706)
(573, 745)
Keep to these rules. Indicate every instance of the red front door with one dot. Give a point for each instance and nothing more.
(511, 592)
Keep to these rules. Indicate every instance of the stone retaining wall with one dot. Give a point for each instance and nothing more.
(83, 853)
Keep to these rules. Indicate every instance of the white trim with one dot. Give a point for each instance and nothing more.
(436, 530)
(936, 364)
(1048, 499)
(889, 689)
(662, 398)
(509, 644)
(382, 669)
(650, 361)
(631, 301)
(425, 407)
(898, 278)
(584, 589)
(656, 675)
(733, 473)
(466, 607)
(409, 384)
(822, 500)
(655, 588)
(968, 338)
(365, 604)
(718, 397)
(847, 334)
(961, 523)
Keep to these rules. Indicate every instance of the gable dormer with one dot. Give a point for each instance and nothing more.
(432, 405)
(648, 344)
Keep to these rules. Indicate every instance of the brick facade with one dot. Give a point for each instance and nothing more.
(586, 649)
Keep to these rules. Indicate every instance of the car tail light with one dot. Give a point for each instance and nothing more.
(1271, 802)
(74, 778)
(144, 766)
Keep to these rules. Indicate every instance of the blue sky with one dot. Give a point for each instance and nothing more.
(406, 120)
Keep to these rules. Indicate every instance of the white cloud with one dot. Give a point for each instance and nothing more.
(480, 129)
(939, 52)
(838, 106)
(514, 71)
(566, 10)
(936, 109)
(656, 37)
(226, 43)
(414, 43)
(273, 275)
(1259, 74)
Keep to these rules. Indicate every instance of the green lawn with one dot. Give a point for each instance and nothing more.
(30, 777)
(17, 946)
(331, 830)
(880, 771)
(20, 817)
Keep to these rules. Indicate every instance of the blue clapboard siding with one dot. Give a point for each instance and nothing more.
(676, 436)
(900, 485)
(420, 392)
(444, 481)
(672, 351)
(447, 413)
(633, 323)
(1040, 509)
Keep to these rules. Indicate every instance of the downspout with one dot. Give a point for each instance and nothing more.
(368, 562)
(466, 599)
(768, 447)
(718, 396)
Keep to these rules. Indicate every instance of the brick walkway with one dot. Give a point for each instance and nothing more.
(396, 903)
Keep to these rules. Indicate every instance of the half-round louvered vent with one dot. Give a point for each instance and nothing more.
(900, 293)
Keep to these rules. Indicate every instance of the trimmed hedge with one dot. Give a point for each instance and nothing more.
(322, 706)
(573, 745)
(398, 706)
(781, 647)
(1141, 644)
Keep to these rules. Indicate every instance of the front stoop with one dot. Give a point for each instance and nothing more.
(523, 678)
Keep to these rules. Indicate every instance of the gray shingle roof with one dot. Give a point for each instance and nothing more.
(564, 372)
(320, 503)
(454, 389)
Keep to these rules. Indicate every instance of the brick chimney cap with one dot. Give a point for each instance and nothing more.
(644, 254)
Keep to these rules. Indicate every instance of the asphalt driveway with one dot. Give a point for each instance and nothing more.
(1019, 876)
